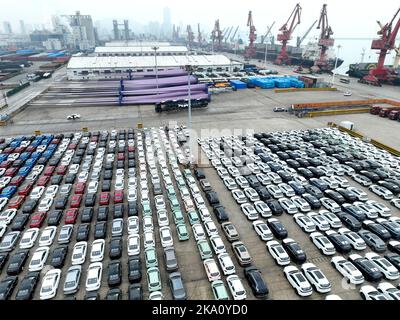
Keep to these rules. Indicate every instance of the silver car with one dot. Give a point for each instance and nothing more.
(9, 241)
(71, 284)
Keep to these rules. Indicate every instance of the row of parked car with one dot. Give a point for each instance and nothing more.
(267, 167)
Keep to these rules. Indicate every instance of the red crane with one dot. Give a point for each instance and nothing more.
(216, 35)
(386, 43)
(190, 35)
(325, 40)
(286, 34)
(251, 50)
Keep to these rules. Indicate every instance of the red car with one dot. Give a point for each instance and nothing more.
(49, 171)
(61, 170)
(94, 139)
(5, 164)
(16, 181)
(30, 149)
(121, 156)
(119, 196)
(104, 199)
(19, 150)
(16, 202)
(8, 150)
(76, 201)
(131, 149)
(10, 172)
(26, 189)
(72, 146)
(80, 188)
(55, 141)
(43, 181)
(37, 220)
(71, 216)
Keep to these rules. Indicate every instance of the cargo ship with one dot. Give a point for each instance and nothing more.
(360, 70)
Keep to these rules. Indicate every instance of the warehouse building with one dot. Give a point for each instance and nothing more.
(140, 51)
(131, 43)
(87, 68)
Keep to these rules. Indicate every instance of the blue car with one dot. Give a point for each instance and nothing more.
(8, 192)
(24, 156)
(3, 157)
(36, 155)
(47, 154)
(30, 162)
(24, 171)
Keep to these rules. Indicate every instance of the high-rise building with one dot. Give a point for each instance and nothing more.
(167, 23)
(82, 31)
(22, 26)
(7, 27)
(116, 30)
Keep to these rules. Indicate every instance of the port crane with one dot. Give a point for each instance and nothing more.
(300, 40)
(190, 36)
(199, 36)
(267, 34)
(388, 34)
(216, 36)
(325, 41)
(251, 50)
(234, 34)
(286, 34)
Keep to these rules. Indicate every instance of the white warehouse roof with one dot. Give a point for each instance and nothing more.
(148, 61)
(137, 44)
(125, 49)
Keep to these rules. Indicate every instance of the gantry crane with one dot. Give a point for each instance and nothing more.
(325, 41)
(251, 50)
(386, 43)
(216, 36)
(286, 34)
(190, 35)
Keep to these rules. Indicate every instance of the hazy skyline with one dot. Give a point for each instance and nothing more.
(355, 18)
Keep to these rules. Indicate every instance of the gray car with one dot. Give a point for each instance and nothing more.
(65, 234)
(373, 241)
(9, 241)
(171, 263)
(157, 189)
(117, 227)
(177, 287)
(71, 284)
(65, 189)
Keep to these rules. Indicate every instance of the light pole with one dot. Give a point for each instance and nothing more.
(336, 61)
(155, 60)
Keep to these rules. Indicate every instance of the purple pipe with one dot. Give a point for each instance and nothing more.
(194, 87)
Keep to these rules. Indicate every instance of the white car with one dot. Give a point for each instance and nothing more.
(298, 281)
(198, 232)
(166, 237)
(274, 191)
(263, 209)
(162, 218)
(262, 230)
(236, 287)
(305, 223)
(332, 218)
(395, 203)
(38, 259)
(251, 194)
(199, 201)
(275, 178)
(51, 191)
(97, 251)
(148, 239)
(29, 238)
(278, 253)
(92, 187)
(368, 292)
(93, 279)
(354, 238)
(45, 204)
(301, 204)
(83, 176)
(364, 181)
(367, 209)
(217, 244)
(263, 178)
(361, 195)
(233, 171)
(222, 172)
(37, 192)
(73, 168)
(133, 244)
(47, 236)
(287, 190)
(323, 243)
(333, 184)
(7, 216)
(381, 192)
(211, 228)
(347, 270)
(288, 206)
(204, 214)
(148, 224)
(4, 181)
(330, 205)
(226, 264)
(159, 202)
(249, 211)
(133, 225)
(239, 196)
(50, 284)
(383, 211)
(389, 291)
(79, 253)
(320, 221)
(343, 182)
(212, 270)
(389, 271)
(242, 182)
(316, 277)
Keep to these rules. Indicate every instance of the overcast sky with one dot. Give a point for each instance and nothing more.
(349, 18)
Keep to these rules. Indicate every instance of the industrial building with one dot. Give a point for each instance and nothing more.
(84, 67)
(137, 44)
(140, 51)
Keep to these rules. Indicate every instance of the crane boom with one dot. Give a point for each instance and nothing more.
(267, 34)
(234, 34)
(396, 62)
(300, 40)
(228, 34)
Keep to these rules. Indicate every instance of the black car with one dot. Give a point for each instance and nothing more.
(294, 251)
(19, 222)
(355, 211)
(392, 227)
(253, 181)
(108, 175)
(394, 246)
(314, 191)
(275, 207)
(320, 184)
(313, 201)
(373, 241)
(354, 165)
(335, 196)
(220, 213)
(131, 164)
(102, 213)
(316, 172)
(17, 262)
(114, 294)
(277, 229)
(256, 282)
(135, 292)
(106, 186)
(339, 241)
(7, 286)
(70, 178)
(60, 203)
(119, 210)
(394, 188)
(212, 198)
(134, 269)
(131, 156)
(120, 164)
(91, 295)
(371, 176)
(87, 215)
(3, 260)
(199, 174)
(286, 177)
(394, 259)
(303, 162)
(100, 230)
(367, 268)
(348, 195)
(76, 160)
(58, 256)
(114, 274)
(378, 229)
(305, 173)
(54, 218)
(297, 187)
(381, 173)
(263, 193)
(30, 206)
(28, 285)
(56, 180)
(109, 165)
(54, 162)
(90, 199)
(132, 209)
(293, 163)
(349, 221)
(83, 232)
(115, 248)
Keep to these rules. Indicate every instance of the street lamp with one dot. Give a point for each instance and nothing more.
(190, 69)
(266, 50)
(155, 59)
(334, 71)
